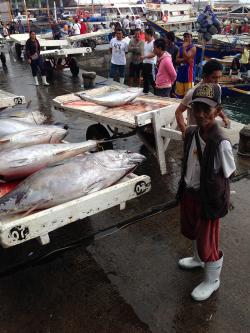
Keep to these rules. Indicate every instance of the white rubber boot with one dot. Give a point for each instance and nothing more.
(36, 81)
(191, 262)
(121, 80)
(211, 282)
(248, 73)
(45, 83)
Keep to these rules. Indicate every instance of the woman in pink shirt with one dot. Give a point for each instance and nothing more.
(166, 74)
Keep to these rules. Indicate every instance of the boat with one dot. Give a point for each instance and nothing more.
(170, 17)
(122, 10)
(237, 90)
(239, 12)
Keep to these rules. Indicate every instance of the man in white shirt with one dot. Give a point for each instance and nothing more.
(149, 61)
(125, 24)
(118, 49)
(204, 188)
(132, 25)
(76, 27)
(138, 23)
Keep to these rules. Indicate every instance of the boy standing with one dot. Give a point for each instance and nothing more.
(204, 188)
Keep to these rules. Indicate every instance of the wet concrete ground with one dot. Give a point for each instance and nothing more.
(128, 281)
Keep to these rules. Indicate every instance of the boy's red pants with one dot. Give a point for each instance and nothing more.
(193, 226)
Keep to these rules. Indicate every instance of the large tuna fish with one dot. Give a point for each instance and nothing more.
(10, 126)
(32, 136)
(68, 180)
(113, 98)
(32, 117)
(22, 162)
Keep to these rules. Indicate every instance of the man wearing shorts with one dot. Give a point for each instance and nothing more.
(118, 49)
(135, 47)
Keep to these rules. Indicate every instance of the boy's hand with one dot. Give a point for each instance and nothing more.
(226, 121)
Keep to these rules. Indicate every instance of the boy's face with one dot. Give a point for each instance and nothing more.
(204, 114)
(214, 77)
(119, 35)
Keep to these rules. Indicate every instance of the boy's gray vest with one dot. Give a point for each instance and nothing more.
(214, 192)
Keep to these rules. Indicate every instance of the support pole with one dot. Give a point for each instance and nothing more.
(26, 13)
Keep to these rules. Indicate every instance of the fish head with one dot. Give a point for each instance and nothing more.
(58, 134)
(123, 159)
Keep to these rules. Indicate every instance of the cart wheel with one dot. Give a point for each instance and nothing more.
(3, 59)
(99, 132)
(148, 135)
(49, 70)
(18, 49)
(73, 65)
(92, 44)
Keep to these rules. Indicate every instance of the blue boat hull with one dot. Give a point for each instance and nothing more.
(227, 92)
(210, 51)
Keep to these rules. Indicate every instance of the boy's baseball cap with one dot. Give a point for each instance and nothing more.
(208, 93)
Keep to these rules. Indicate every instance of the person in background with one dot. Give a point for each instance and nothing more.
(56, 31)
(149, 60)
(20, 27)
(186, 70)
(211, 73)
(132, 25)
(142, 35)
(32, 49)
(228, 28)
(118, 50)
(125, 25)
(138, 23)
(244, 60)
(5, 31)
(166, 74)
(66, 28)
(83, 29)
(136, 48)
(1, 27)
(76, 28)
(245, 28)
(204, 191)
(12, 28)
(171, 48)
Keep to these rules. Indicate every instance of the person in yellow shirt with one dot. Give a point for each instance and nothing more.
(244, 60)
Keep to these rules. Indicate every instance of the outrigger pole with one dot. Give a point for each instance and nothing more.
(26, 13)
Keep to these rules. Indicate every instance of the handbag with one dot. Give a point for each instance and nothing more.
(34, 56)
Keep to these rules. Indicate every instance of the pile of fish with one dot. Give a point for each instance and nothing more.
(56, 172)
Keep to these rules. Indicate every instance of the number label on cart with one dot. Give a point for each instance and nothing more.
(19, 233)
(18, 100)
(141, 187)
